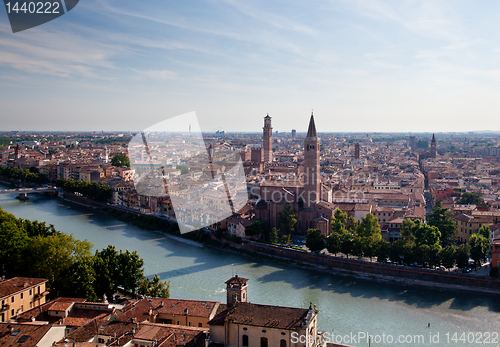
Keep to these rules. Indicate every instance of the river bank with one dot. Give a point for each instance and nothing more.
(385, 273)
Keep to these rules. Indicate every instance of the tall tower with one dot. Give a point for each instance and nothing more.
(236, 290)
(356, 151)
(106, 155)
(268, 140)
(311, 166)
(433, 146)
(412, 142)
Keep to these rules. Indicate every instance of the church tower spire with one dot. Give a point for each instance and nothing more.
(433, 147)
(311, 165)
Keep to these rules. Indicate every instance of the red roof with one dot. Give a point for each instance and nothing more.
(17, 284)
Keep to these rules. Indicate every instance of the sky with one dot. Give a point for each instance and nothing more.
(362, 66)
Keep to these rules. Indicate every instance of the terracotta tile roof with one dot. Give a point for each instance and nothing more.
(237, 280)
(25, 335)
(79, 317)
(137, 310)
(277, 317)
(17, 284)
(40, 312)
(193, 308)
(168, 335)
(102, 327)
(60, 306)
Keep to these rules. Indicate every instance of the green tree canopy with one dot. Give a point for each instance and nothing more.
(442, 219)
(448, 257)
(479, 248)
(287, 219)
(154, 287)
(470, 198)
(273, 236)
(338, 221)
(256, 228)
(485, 231)
(315, 241)
(462, 256)
(120, 160)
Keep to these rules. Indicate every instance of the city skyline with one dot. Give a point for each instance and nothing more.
(362, 66)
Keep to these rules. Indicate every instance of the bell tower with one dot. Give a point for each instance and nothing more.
(268, 140)
(311, 166)
(433, 147)
(236, 290)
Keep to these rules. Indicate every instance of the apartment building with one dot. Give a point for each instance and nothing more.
(19, 294)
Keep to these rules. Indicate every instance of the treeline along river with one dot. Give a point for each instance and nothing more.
(346, 304)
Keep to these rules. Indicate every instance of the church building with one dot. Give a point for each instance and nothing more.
(308, 197)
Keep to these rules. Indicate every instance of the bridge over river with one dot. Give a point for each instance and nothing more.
(28, 190)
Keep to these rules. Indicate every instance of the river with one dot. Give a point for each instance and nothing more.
(346, 304)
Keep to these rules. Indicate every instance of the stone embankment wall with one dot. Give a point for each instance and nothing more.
(444, 278)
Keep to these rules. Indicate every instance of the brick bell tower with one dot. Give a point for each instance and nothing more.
(236, 289)
(311, 166)
(433, 147)
(268, 140)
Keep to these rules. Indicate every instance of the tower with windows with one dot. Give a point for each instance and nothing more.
(236, 290)
(311, 166)
(268, 140)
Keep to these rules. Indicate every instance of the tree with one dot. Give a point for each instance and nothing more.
(434, 255)
(353, 224)
(406, 232)
(448, 256)
(442, 219)
(286, 239)
(369, 227)
(479, 247)
(56, 258)
(184, 169)
(274, 235)
(485, 231)
(333, 242)
(470, 198)
(338, 221)
(346, 243)
(315, 241)
(130, 269)
(256, 228)
(120, 160)
(154, 288)
(383, 250)
(287, 220)
(426, 234)
(462, 256)
(368, 236)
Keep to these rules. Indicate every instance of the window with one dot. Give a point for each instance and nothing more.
(178, 322)
(21, 295)
(38, 289)
(282, 343)
(12, 312)
(263, 342)
(200, 325)
(244, 341)
(189, 324)
(23, 338)
(12, 298)
(31, 291)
